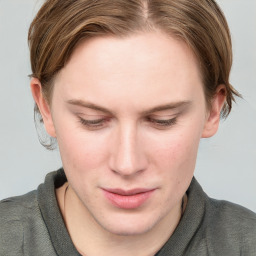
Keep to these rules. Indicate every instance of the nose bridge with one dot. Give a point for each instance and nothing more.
(127, 157)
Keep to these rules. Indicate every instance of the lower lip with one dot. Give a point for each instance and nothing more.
(128, 202)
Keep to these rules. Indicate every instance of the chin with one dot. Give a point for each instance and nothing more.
(128, 230)
(129, 226)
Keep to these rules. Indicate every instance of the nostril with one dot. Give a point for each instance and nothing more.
(127, 156)
(128, 165)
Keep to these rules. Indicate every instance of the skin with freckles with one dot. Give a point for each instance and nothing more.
(128, 114)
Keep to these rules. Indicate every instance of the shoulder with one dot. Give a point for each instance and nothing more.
(232, 215)
(231, 226)
(14, 213)
(14, 207)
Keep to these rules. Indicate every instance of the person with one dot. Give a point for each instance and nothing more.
(127, 89)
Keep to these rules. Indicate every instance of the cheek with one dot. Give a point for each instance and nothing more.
(83, 158)
(177, 152)
(175, 161)
(80, 150)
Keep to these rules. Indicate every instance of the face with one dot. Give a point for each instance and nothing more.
(128, 115)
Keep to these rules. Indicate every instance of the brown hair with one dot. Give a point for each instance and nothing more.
(61, 24)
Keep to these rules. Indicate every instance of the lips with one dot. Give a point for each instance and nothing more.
(128, 199)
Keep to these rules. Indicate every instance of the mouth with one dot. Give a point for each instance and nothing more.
(128, 199)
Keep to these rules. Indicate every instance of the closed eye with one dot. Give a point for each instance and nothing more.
(162, 123)
(94, 124)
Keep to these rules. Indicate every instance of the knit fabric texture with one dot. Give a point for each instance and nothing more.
(33, 225)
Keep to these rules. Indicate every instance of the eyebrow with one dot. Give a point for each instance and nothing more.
(169, 106)
(90, 105)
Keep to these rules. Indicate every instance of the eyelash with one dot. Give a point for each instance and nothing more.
(93, 124)
(99, 123)
(163, 123)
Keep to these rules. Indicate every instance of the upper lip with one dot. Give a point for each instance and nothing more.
(129, 192)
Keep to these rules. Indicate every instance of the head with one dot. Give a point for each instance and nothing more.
(128, 88)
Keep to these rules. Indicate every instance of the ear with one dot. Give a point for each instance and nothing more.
(36, 89)
(213, 116)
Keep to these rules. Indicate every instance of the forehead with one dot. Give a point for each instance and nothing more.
(151, 63)
(143, 49)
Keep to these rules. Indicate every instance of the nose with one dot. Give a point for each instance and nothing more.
(128, 155)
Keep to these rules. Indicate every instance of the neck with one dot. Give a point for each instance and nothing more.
(90, 238)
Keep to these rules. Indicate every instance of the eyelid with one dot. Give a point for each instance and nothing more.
(93, 124)
(162, 117)
(163, 123)
(95, 116)
(165, 113)
(92, 121)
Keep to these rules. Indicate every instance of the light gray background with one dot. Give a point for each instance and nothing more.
(226, 166)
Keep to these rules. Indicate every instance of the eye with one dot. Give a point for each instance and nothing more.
(162, 123)
(94, 124)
